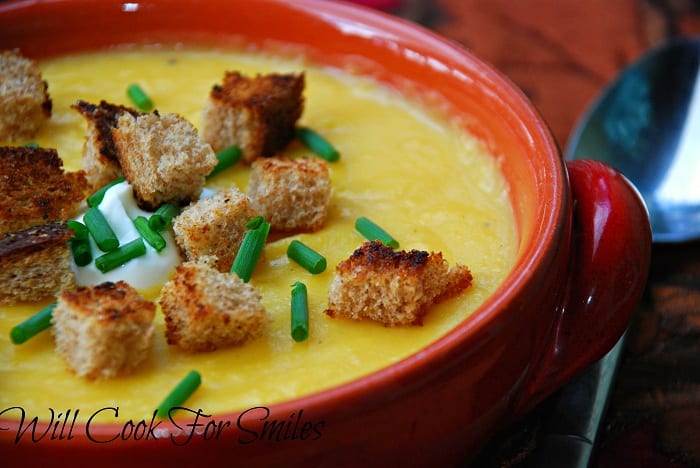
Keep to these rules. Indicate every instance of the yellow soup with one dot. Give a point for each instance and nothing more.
(411, 170)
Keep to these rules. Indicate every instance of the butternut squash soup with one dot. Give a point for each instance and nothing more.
(403, 164)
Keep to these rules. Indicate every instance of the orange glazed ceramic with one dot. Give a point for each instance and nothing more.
(582, 258)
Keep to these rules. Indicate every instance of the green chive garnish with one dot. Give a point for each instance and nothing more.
(161, 218)
(255, 222)
(31, 144)
(227, 158)
(80, 232)
(300, 312)
(317, 144)
(96, 198)
(139, 97)
(81, 251)
(180, 393)
(305, 256)
(250, 250)
(100, 230)
(153, 238)
(120, 256)
(373, 232)
(33, 325)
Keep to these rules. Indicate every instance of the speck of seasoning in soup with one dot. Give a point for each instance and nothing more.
(413, 171)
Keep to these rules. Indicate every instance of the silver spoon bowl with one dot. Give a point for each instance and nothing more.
(646, 124)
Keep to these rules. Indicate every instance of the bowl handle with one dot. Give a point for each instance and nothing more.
(609, 263)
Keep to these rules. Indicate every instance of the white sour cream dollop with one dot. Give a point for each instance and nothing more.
(154, 268)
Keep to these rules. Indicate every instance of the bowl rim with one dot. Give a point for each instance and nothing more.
(437, 51)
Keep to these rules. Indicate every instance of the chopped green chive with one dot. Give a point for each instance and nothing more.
(120, 256)
(255, 222)
(81, 251)
(33, 325)
(373, 232)
(160, 219)
(227, 157)
(179, 394)
(31, 144)
(139, 97)
(100, 230)
(305, 256)
(80, 232)
(153, 238)
(318, 144)
(300, 312)
(250, 250)
(96, 198)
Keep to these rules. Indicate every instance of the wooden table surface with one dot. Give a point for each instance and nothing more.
(562, 53)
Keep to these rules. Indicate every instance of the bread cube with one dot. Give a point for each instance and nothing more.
(103, 331)
(35, 263)
(34, 189)
(214, 226)
(24, 99)
(394, 288)
(293, 195)
(162, 157)
(257, 114)
(206, 310)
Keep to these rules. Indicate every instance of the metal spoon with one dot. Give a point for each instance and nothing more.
(646, 124)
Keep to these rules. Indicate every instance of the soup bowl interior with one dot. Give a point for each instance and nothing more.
(422, 64)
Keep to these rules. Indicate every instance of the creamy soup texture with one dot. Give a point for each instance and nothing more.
(406, 167)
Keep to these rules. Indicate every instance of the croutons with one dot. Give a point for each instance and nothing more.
(162, 157)
(214, 226)
(392, 287)
(24, 99)
(206, 310)
(100, 159)
(293, 195)
(34, 189)
(257, 114)
(103, 331)
(35, 263)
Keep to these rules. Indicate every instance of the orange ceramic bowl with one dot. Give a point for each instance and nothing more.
(582, 260)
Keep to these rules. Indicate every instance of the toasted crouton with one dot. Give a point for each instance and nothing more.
(34, 189)
(24, 99)
(392, 287)
(35, 263)
(100, 159)
(293, 195)
(103, 331)
(257, 114)
(162, 157)
(214, 226)
(205, 309)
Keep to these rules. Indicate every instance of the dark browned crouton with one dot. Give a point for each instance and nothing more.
(24, 99)
(103, 331)
(35, 263)
(163, 158)
(34, 189)
(293, 195)
(205, 309)
(393, 287)
(214, 226)
(100, 159)
(257, 114)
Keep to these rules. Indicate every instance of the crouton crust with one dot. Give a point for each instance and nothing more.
(393, 287)
(163, 158)
(258, 114)
(206, 310)
(214, 226)
(35, 263)
(100, 159)
(293, 195)
(103, 331)
(34, 189)
(24, 99)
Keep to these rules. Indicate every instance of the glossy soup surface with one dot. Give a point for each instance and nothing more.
(407, 168)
